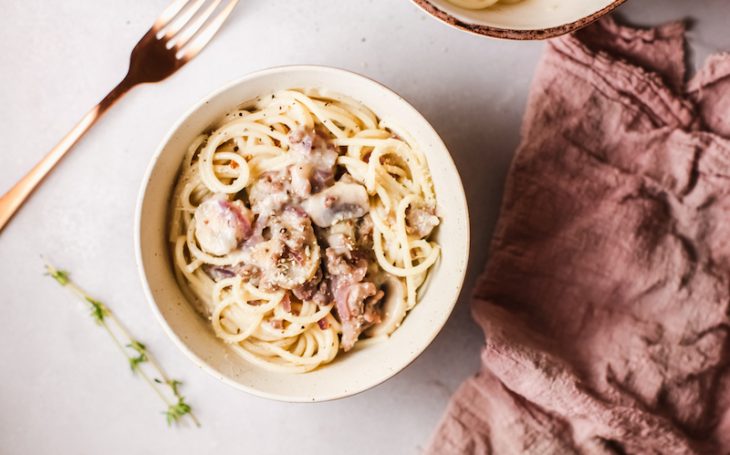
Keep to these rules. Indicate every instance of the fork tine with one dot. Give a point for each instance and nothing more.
(184, 36)
(183, 18)
(207, 32)
(169, 12)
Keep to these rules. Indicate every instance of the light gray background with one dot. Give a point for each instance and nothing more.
(63, 387)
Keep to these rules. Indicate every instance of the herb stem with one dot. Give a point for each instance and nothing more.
(141, 372)
(104, 317)
(169, 382)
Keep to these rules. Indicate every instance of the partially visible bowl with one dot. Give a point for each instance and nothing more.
(354, 371)
(526, 20)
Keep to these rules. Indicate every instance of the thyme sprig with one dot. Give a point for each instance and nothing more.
(141, 356)
(133, 350)
(176, 411)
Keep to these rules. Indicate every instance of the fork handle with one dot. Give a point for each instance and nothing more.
(11, 201)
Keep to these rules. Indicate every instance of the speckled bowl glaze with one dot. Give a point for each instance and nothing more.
(354, 371)
(526, 20)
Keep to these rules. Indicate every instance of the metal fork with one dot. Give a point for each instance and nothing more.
(176, 37)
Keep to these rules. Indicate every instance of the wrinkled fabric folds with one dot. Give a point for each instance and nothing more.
(605, 302)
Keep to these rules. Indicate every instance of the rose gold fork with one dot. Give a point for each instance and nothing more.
(176, 37)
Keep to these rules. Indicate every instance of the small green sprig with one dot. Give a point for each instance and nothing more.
(59, 275)
(177, 411)
(141, 356)
(135, 351)
(173, 383)
(99, 311)
(181, 408)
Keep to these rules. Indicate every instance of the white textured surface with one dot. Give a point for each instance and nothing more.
(63, 388)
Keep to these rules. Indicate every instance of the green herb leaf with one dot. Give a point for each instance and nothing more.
(176, 411)
(99, 311)
(137, 346)
(174, 383)
(59, 275)
(135, 361)
(141, 355)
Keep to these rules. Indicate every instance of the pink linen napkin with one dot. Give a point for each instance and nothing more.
(606, 299)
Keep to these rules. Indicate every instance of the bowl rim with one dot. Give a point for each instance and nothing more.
(180, 344)
(514, 34)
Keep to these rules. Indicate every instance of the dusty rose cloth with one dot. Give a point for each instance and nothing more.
(606, 299)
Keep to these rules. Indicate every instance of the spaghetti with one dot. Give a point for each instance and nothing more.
(301, 224)
(480, 4)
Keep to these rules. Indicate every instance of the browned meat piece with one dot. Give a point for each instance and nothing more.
(372, 308)
(277, 323)
(340, 237)
(317, 157)
(347, 236)
(314, 290)
(269, 194)
(219, 272)
(356, 301)
(286, 302)
(420, 221)
(314, 171)
(323, 324)
(284, 249)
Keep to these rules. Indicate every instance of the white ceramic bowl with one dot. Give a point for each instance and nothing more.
(352, 372)
(526, 20)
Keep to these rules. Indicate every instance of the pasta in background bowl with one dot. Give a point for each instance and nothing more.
(480, 4)
(429, 285)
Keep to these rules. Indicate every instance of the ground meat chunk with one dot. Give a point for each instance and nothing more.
(270, 193)
(283, 252)
(219, 272)
(347, 236)
(340, 237)
(284, 249)
(356, 301)
(316, 159)
(315, 290)
(420, 221)
(314, 170)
